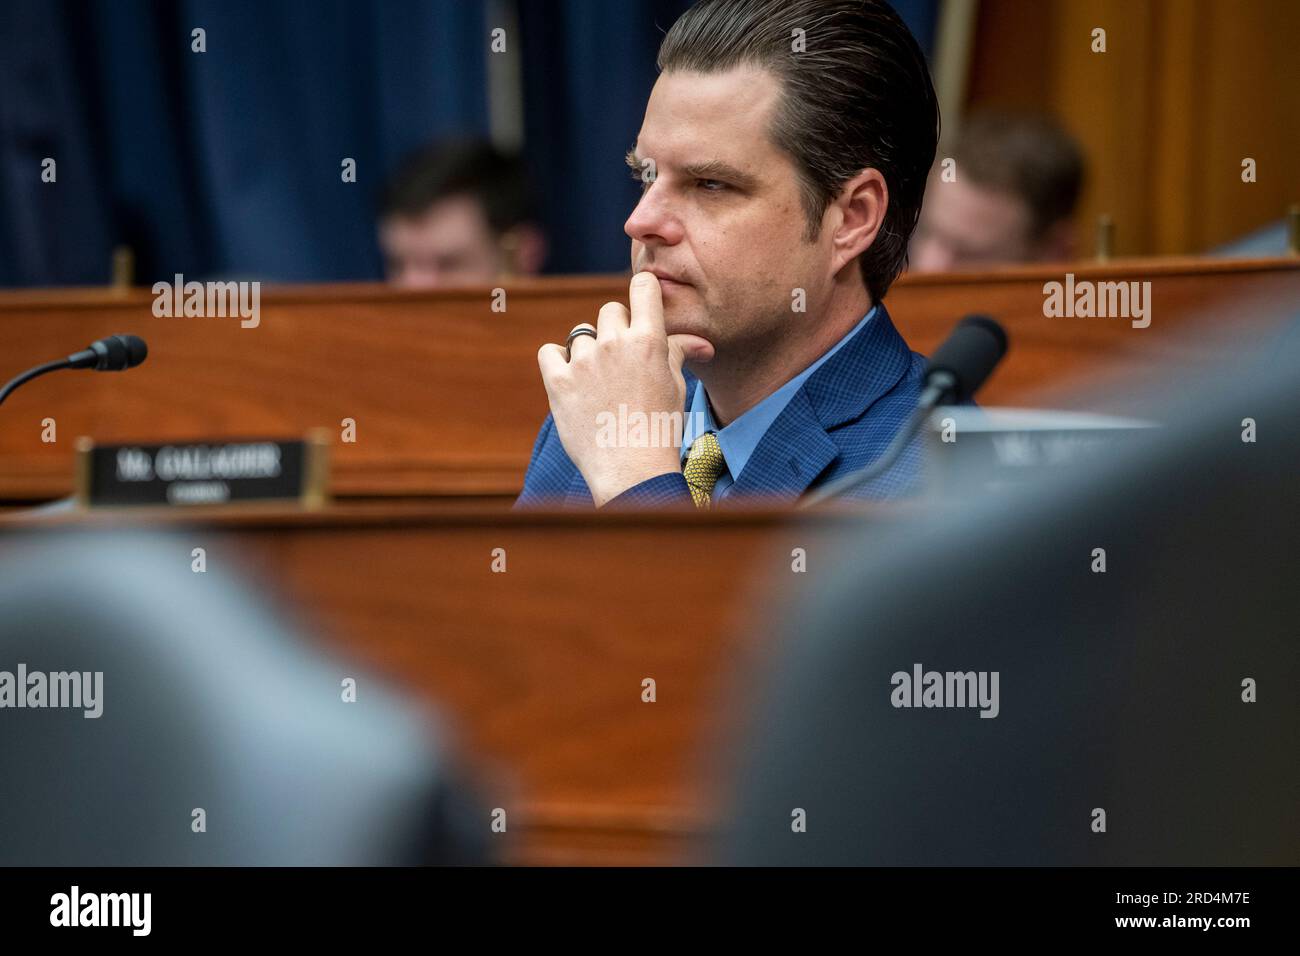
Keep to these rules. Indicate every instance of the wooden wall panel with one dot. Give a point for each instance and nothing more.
(1185, 91)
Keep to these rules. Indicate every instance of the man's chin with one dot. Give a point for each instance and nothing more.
(687, 318)
(680, 318)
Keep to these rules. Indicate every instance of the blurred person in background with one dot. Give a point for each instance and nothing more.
(1009, 197)
(458, 213)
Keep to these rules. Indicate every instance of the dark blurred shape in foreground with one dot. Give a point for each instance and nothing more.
(209, 700)
(1120, 690)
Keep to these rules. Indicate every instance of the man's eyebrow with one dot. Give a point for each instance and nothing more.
(712, 169)
(717, 169)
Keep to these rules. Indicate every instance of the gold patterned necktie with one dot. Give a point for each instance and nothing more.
(704, 465)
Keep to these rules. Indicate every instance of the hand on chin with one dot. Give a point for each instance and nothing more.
(696, 350)
(633, 361)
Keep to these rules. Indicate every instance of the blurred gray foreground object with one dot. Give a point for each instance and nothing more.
(210, 701)
(1119, 692)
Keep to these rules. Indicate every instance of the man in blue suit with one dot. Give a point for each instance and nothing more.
(783, 157)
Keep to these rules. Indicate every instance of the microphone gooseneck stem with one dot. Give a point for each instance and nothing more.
(32, 373)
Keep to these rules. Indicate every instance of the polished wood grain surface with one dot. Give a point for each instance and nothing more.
(539, 668)
(445, 392)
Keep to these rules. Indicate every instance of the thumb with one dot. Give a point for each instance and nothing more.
(684, 347)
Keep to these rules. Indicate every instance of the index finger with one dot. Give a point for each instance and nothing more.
(647, 301)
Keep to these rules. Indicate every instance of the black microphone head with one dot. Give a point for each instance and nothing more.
(969, 355)
(118, 352)
(137, 351)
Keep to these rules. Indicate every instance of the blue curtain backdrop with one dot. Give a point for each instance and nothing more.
(227, 163)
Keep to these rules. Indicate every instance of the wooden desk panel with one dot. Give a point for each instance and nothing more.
(446, 393)
(540, 667)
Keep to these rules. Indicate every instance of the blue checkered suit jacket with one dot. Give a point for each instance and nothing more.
(841, 420)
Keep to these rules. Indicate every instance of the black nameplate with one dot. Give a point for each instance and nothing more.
(200, 473)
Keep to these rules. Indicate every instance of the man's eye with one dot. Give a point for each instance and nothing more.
(711, 185)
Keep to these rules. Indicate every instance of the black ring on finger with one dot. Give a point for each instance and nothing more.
(579, 331)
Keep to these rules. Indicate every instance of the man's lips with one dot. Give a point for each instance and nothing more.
(665, 277)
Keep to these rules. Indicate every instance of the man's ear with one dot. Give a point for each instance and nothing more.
(859, 212)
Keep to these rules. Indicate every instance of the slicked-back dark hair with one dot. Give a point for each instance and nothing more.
(857, 95)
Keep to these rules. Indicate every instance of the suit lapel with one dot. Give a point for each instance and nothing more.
(797, 448)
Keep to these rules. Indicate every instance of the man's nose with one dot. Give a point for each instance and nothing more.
(654, 220)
